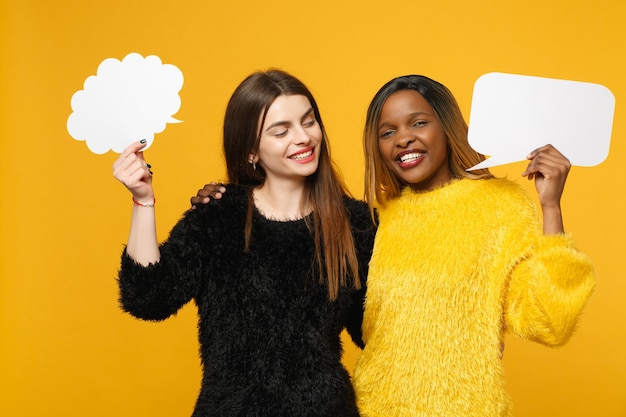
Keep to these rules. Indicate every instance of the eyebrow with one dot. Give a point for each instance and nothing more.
(285, 123)
(410, 115)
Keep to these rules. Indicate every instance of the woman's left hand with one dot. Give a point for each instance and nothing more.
(549, 168)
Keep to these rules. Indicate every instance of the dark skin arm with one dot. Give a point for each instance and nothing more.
(204, 195)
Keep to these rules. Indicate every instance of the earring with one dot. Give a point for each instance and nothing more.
(253, 164)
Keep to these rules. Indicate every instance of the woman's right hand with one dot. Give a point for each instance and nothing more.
(133, 171)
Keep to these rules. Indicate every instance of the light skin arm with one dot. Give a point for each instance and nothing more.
(549, 168)
(132, 171)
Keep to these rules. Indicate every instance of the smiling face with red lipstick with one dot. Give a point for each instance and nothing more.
(412, 142)
(289, 139)
(415, 136)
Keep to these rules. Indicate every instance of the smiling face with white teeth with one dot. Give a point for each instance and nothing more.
(412, 142)
(290, 139)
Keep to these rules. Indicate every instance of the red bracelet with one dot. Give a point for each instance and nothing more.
(144, 205)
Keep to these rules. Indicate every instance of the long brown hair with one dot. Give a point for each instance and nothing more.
(381, 183)
(335, 254)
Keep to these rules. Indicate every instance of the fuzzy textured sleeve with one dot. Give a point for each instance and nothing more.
(548, 290)
(159, 290)
(549, 280)
(363, 232)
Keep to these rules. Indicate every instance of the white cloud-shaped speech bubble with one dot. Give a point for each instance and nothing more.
(126, 101)
(511, 115)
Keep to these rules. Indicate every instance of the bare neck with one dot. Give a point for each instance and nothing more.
(281, 201)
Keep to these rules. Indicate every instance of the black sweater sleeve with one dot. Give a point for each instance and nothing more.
(159, 290)
(364, 231)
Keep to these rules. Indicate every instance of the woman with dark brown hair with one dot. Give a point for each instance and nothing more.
(275, 267)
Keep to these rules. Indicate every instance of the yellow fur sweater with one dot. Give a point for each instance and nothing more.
(452, 269)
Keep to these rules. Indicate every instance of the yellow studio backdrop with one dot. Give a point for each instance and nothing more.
(66, 348)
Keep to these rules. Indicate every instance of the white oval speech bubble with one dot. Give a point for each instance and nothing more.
(126, 101)
(511, 115)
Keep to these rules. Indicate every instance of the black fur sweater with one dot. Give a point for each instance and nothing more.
(269, 336)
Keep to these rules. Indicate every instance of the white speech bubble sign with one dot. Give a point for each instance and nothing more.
(125, 101)
(512, 115)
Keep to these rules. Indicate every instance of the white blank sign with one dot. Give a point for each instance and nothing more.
(511, 115)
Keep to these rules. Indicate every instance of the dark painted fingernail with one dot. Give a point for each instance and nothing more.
(148, 165)
(142, 141)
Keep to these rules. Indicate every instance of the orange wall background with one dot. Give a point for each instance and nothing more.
(67, 350)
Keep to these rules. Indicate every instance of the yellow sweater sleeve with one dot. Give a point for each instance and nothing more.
(548, 290)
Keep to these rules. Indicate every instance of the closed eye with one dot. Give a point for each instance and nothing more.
(308, 120)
